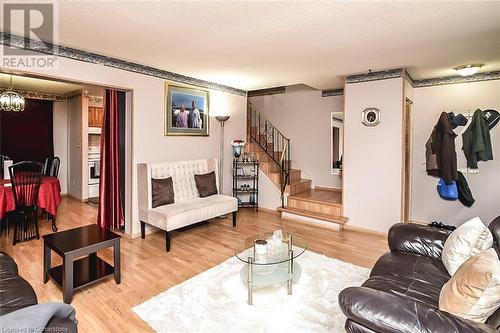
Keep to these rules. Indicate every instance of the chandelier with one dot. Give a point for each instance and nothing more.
(11, 100)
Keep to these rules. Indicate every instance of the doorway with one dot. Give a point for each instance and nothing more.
(77, 121)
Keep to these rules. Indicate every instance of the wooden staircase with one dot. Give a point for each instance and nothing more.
(295, 184)
(316, 205)
(302, 202)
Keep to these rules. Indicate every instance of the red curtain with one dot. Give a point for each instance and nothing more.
(110, 214)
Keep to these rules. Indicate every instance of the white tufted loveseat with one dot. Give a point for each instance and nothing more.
(188, 208)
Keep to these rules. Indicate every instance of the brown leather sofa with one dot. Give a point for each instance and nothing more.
(16, 293)
(402, 293)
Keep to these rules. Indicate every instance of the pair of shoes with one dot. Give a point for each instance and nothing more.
(441, 225)
(245, 187)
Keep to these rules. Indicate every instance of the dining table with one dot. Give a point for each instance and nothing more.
(49, 198)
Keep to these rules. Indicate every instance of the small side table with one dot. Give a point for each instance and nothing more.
(78, 273)
(275, 265)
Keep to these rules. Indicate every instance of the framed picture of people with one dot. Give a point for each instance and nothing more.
(186, 111)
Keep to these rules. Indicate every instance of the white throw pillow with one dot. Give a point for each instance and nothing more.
(469, 239)
(474, 291)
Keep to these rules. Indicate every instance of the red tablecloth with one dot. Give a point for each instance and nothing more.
(49, 196)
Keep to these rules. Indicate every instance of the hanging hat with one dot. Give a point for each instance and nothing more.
(492, 118)
(447, 192)
(460, 120)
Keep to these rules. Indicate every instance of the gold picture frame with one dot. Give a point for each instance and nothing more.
(186, 111)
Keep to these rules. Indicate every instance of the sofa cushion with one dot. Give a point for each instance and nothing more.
(414, 276)
(180, 214)
(162, 191)
(471, 238)
(474, 290)
(206, 185)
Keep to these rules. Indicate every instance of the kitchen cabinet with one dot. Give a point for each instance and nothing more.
(96, 116)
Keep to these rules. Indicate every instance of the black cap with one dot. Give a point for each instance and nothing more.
(457, 120)
(460, 120)
(492, 118)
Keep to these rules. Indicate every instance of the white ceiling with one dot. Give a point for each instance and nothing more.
(38, 85)
(251, 45)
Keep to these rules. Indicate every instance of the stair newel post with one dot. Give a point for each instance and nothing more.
(258, 127)
(249, 123)
(265, 135)
(289, 167)
(273, 140)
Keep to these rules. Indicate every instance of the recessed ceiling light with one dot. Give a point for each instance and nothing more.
(467, 70)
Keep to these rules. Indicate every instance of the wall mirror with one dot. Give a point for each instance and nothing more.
(337, 137)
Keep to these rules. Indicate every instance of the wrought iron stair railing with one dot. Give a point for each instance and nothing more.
(277, 146)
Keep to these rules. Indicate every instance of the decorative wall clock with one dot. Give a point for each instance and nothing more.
(370, 117)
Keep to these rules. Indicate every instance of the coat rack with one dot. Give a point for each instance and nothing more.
(468, 114)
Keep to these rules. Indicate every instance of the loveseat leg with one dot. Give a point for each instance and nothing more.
(167, 240)
(143, 230)
(234, 219)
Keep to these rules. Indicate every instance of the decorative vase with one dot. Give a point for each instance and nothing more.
(237, 151)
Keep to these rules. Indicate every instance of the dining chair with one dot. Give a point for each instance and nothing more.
(26, 177)
(54, 167)
(47, 164)
(51, 168)
(2, 159)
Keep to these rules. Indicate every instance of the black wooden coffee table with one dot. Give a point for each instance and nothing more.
(81, 265)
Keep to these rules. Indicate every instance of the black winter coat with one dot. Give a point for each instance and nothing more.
(441, 157)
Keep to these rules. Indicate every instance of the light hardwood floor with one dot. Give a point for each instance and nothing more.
(148, 270)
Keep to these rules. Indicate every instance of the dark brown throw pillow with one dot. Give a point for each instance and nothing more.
(162, 191)
(205, 184)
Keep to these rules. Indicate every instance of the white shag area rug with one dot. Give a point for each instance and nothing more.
(216, 300)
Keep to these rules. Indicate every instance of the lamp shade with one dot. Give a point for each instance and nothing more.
(11, 101)
(222, 118)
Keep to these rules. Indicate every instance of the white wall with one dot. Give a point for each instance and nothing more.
(269, 194)
(75, 147)
(148, 142)
(428, 104)
(84, 115)
(373, 155)
(60, 125)
(304, 117)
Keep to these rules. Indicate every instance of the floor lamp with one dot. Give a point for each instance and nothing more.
(222, 120)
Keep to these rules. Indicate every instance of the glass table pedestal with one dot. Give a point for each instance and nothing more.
(266, 267)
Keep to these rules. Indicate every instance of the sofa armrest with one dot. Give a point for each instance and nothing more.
(8, 266)
(389, 313)
(418, 239)
(15, 293)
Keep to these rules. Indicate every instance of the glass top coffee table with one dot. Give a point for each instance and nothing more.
(269, 260)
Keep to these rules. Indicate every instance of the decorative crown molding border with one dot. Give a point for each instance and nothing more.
(94, 58)
(332, 92)
(409, 78)
(267, 91)
(487, 76)
(401, 72)
(95, 99)
(375, 76)
(40, 95)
